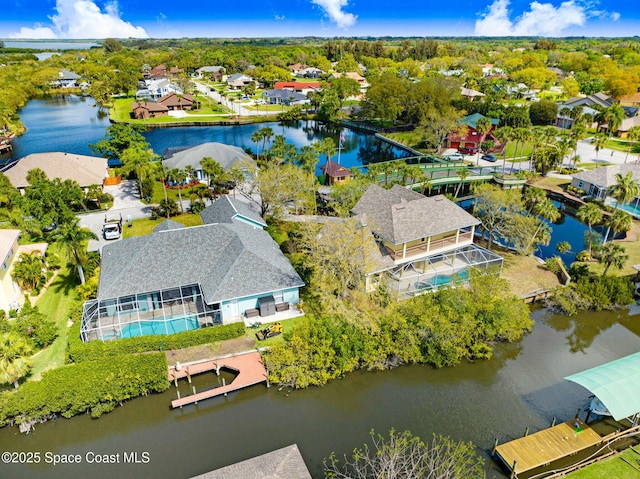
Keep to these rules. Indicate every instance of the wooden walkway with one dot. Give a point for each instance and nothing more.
(547, 446)
(248, 366)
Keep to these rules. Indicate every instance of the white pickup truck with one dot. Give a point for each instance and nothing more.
(112, 229)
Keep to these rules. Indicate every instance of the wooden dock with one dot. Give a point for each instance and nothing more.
(547, 446)
(249, 368)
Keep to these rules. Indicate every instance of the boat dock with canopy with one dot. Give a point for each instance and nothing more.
(617, 385)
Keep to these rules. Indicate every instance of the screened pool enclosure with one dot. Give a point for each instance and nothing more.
(166, 311)
(433, 272)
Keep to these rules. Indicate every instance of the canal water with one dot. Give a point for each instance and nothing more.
(520, 387)
(71, 123)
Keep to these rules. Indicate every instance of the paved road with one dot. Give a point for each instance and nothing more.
(126, 202)
(235, 107)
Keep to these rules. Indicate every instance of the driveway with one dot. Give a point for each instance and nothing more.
(126, 202)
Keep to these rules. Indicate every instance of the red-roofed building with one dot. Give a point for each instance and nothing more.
(148, 109)
(300, 87)
(173, 101)
(335, 172)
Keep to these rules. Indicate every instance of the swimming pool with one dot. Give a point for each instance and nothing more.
(170, 326)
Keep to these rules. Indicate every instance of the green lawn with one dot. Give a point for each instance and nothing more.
(55, 304)
(613, 467)
(143, 227)
(287, 325)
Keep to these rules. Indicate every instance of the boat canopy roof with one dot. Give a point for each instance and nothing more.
(616, 384)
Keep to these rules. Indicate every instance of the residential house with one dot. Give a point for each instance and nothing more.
(66, 79)
(354, 76)
(470, 94)
(627, 124)
(10, 294)
(228, 156)
(630, 100)
(596, 100)
(427, 242)
(566, 121)
(174, 101)
(215, 73)
(310, 72)
(469, 136)
(175, 72)
(284, 97)
(158, 88)
(158, 72)
(300, 87)
(84, 170)
(560, 73)
(522, 91)
(336, 173)
(179, 279)
(599, 181)
(237, 81)
(148, 109)
(285, 463)
(296, 68)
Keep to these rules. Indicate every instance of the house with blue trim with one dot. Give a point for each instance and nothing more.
(178, 279)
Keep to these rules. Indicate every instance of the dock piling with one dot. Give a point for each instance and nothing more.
(553, 423)
(493, 449)
(178, 391)
(224, 383)
(194, 392)
(513, 470)
(526, 431)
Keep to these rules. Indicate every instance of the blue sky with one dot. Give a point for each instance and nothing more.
(255, 18)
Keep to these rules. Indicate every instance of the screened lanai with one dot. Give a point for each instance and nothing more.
(166, 311)
(439, 270)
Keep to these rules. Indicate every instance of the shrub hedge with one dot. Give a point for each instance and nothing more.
(95, 386)
(79, 351)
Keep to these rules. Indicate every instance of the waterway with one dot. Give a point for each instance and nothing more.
(521, 386)
(71, 123)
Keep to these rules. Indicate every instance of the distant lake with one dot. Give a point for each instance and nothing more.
(70, 123)
(50, 45)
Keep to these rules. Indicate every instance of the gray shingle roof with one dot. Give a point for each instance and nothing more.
(167, 225)
(399, 215)
(228, 260)
(227, 155)
(226, 208)
(285, 463)
(285, 95)
(605, 176)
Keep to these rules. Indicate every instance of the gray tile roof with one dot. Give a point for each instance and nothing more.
(227, 155)
(86, 170)
(167, 225)
(605, 176)
(226, 208)
(284, 95)
(285, 463)
(228, 260)
(399, 215)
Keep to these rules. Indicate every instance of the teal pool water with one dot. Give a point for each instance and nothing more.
(632, 208)
(171, 326)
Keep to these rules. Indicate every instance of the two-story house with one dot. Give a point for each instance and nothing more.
(427, 241)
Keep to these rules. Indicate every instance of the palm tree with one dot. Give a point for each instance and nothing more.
(256, 137)
(539, 137)
(190, 171)
(235, 176)
(599, 142)
(483, 126)
(73, 240)
(94, 193)
(14, 358)
(28, 272)
(620, 221)
(633, 135)
(614, 115)
(504, 134)
(211, 168)
(625, 189)
(532, 196)
(138, 160)
(179, 176)
(462, 173)
(612, 254)
(590, 214)
(546, 210)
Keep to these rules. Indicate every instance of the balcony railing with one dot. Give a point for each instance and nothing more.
(434, 246)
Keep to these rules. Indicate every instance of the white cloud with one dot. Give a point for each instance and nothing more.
(279, 18)
(84, 19)
(543, 19)
(615, 16)
(333, 9)
(35, 32)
